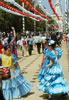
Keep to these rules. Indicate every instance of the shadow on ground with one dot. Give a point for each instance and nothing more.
(19, 58)
(32, 81)
(55, 97)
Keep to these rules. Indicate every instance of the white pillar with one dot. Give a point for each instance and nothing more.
(65, 5)
(68, 6)
(34, 26)
(34, 23)
(46, 26)
(23, 19)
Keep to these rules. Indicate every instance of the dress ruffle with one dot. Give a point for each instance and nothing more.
(16, 87)
(55, 69)
(43, 70)
(53, 84)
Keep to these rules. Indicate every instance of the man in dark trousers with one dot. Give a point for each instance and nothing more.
(30, 44)
(38, 43)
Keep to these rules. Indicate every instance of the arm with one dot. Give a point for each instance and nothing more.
(18, 65)
(43, 59)
(14, 34)
(50, 64)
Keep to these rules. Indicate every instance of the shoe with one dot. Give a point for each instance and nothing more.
(65, 94)
(46, 96)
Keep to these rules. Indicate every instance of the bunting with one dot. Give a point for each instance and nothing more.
(42, 7)
(50, 3)
(22, 8)
(15, 13)
(18, 11)
(33, 9)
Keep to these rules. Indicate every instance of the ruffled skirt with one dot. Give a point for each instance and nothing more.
(42, 70)
(16, 87)
(53, 81)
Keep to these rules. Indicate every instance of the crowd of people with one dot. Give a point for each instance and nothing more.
(28, 41)
(25, 42)
(13, 83)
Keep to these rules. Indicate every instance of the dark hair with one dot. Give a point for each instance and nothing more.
(0, 42)
(47, 39)
(53, 45)
(9, 39)
(7, 47)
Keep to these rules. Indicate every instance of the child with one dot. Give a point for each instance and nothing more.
(16, 86)
(53, 81)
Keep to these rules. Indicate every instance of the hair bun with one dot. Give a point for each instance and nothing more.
(51, 42)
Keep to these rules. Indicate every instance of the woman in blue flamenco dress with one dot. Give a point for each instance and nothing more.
(53, 81)
(46, 61)
(16, 86)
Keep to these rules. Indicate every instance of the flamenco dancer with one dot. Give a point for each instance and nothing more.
(45, 61)
(16, 85)
(53, 81)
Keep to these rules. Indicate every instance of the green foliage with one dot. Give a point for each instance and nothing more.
(8, 20)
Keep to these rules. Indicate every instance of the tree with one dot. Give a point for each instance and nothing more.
(8, 20)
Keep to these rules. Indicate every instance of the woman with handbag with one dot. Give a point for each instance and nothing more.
(14, 84)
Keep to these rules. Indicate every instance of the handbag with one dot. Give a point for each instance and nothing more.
(24, 42)
(5, 73)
